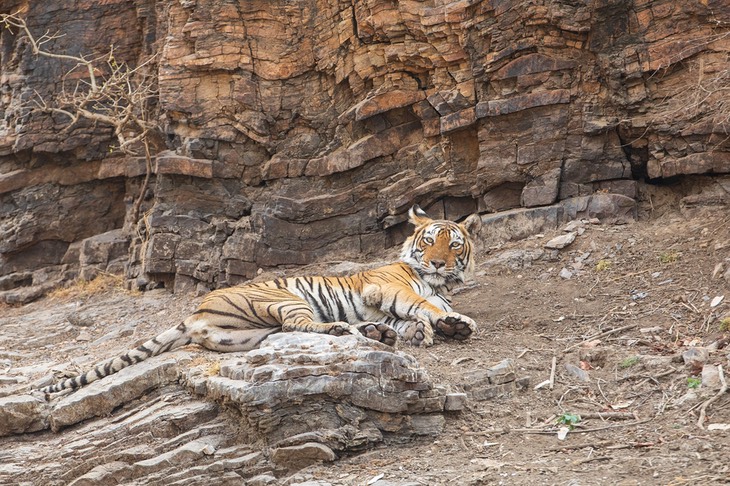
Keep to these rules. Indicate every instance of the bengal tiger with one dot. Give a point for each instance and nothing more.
(407, 299)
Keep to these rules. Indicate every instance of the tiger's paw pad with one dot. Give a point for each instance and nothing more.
(456, 326)
(340, 329)
(379, 332)
(418, 334)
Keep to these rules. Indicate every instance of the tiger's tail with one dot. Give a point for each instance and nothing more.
(167, 341)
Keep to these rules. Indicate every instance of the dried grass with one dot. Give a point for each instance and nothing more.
(80, 288)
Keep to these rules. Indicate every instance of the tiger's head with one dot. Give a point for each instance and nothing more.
(440, 250)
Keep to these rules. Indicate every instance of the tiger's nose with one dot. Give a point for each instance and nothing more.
(438, 263)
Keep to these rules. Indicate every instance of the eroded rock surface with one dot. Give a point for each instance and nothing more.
(349, 393)
(299, 399)
(298, 131)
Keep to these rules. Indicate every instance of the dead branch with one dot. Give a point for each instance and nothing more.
(581, 431)
(552, 372)
(114, 94)
(592, 445)
(500, 431)
(601, 335)
(609, 415)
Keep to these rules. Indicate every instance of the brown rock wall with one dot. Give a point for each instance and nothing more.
(303, 130)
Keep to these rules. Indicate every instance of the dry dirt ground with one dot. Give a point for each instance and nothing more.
(639, 297)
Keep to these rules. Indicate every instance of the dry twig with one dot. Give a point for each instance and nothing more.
(581, 431)
(552, 372)
(600, 335)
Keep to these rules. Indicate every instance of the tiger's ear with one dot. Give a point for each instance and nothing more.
(417, 216)
(472, 224)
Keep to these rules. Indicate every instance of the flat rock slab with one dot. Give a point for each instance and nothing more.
(560, 242)
(99, 398)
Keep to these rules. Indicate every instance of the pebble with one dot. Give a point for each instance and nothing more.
(576, 372)
(566, 274)
(560, 242)
(710, 377)
(695, 357)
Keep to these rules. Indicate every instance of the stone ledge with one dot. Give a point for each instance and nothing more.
(516, 224)
(104, 169)
(522, 102)
(700, 163)
(382, 103)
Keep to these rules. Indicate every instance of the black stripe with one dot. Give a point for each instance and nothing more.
(336, 298)
(144, 350)
(216, 312)
(228, 300)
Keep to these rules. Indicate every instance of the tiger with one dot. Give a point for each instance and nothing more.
(406, 300)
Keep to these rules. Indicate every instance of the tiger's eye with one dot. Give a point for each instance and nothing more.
(456, 245)
(428, 240)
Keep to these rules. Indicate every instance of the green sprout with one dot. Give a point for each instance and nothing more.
(668, 257)
(629, 362)
(569, 419)
(693, 382)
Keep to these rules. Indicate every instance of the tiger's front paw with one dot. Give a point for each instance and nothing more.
(456, 326)
(418, 333)
(379, 332)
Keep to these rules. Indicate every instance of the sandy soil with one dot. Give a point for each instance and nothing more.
(645, 290)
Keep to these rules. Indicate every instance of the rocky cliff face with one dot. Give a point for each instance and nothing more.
(297, 130)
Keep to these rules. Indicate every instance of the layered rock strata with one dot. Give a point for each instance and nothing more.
(299, 131)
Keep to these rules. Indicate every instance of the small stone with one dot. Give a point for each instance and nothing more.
(718, 269)
(560, 242)
(710, 377)
(84, 336)
(565, 274)
(502, 372)
(261, 480)
(455, 402)
(717, 301)
(21, 414)
(695, 357)
(576, 372)
(572, 226)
